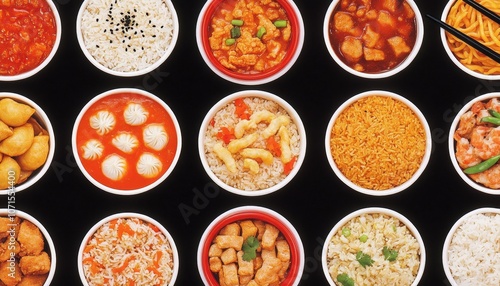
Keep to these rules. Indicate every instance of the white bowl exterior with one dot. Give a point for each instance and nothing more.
(451, 144)
(118, 191)
(44, 121)
(175, 252)
(51, 55)
(452, 56)
(423, 164)
(374, 210)
(416, 48)
(46, 235)
(265, 95)
(161, 60)
(449, 237)
(244, 209)
(199, 29)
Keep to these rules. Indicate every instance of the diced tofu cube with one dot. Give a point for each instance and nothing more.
(229, 256)
(370, 37)
(248, 228)
(386, 19)
(390, 5)
(343, 22)
(230, 274)
(245, 268)
(373, 54)
(229, 241)
(231, 229)
(215, 264)
(398, 45)
(269, 237)
(352, 49)
(214, 251)
(371, 14)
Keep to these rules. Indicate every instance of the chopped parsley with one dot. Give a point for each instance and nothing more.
(345, 280)
(364, 259)
(390, 254)
(250, 248)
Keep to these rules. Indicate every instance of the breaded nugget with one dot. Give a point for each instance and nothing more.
(35, 265)
(10, 276)
(33, 280)
(7, 248)
(6, 224)
(30, 238)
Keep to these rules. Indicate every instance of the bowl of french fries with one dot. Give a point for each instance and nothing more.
(250, 245)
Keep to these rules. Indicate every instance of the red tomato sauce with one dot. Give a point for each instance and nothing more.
(116, 104)
(27, 35)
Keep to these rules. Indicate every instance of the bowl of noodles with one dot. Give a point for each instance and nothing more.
(126, 141)
(378, 143)
(473, 143)
(128, 249)
(477, 26)
(252, 143)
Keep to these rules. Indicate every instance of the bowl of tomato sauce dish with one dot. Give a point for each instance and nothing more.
(248, 41)
(30, 36)
(374, 40)
(126, 141)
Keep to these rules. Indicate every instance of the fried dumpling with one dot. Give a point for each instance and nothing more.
(149, 166)
(9, 169)
(14, 113)
(126, 142)
(19, 142)
(114, 167)
(92, 150)
(155, 136)
(102, 122)
(5, 131)
(36, 155)
(135, 114)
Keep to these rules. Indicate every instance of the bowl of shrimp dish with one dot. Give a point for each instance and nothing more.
(252, 143)
(250, 245)
(474, 143)
(126, 141)
(250, 42)
(30, 256)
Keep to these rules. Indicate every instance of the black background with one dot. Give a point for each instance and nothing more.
(69, 205)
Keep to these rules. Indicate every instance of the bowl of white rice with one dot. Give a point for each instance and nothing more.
(252, 143)
(127, 248)
(373, 246)
(471, 252)
(127, 38)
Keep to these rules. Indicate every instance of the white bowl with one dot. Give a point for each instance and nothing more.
(416, 48)
(480, 259)
(42, 118)
(49, 244)
(416, 175)
(374, 210)
(296, 44)
(263, 95)
(452, 56)
(451, 144)
(126, 215)
(252, 212)
(172, 155)
(145, 69)
(53, 51)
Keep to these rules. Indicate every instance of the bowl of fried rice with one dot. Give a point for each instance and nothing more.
(128, 249)
(252, 143)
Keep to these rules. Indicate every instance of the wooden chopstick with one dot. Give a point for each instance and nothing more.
(468, 40)
(485, 11)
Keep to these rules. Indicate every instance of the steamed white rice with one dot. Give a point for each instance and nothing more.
(126, 35)
(474, 251)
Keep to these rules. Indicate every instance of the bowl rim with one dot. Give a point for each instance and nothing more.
(150, 68)
(425, 159)
(451, 233)
(143, 217)
(264, 95)
(44, 121)
(285, 65)
(451, 144)
(51, 55)
(403, 65)
(48, 239)
(374, 210)
(450, 54)
(137, 92)
(247, 212)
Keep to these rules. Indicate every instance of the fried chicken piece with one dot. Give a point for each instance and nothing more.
(7, 248)
(10, 275)
(35, 265)
(30, 238)
(33, 280)
(6, 224)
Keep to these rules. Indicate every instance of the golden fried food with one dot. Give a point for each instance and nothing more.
(36, 264)
(13, 113)
(10, 273)
(5, 131)
(36, 155)
(30, 239)
(33, 280)
(19, 142)
(9, 172)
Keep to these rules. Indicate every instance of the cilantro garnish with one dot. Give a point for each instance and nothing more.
(364, 259)
(389, 254)
(345, 280)
(250, 248)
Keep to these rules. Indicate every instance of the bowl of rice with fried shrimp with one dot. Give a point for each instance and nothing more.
(252, 143)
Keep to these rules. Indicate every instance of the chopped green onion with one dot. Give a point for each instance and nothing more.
(236, 22)
(346, 232)
(280, 23)
(230, 42)
(235, 32)
(261, 32)
(363, 238)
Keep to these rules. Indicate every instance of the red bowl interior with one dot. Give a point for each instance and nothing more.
(292, 48)
(293, 271)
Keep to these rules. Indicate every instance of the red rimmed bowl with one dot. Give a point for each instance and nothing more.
(286, 229)
(248, 73)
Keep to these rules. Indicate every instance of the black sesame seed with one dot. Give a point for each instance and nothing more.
(154, 36)
(97, 46)
(97, 19)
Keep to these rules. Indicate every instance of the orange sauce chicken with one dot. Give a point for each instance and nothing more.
(372, 36)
